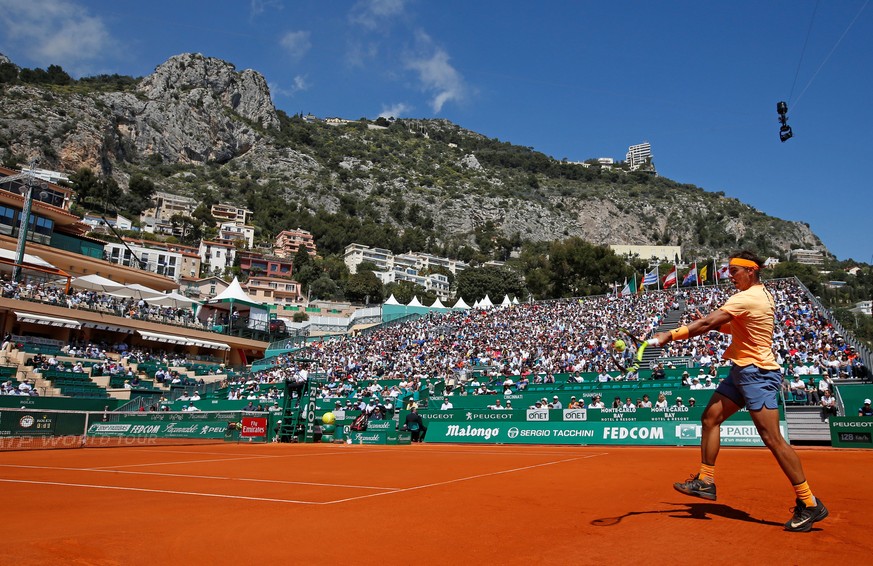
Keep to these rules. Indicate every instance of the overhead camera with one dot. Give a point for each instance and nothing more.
(785, 132)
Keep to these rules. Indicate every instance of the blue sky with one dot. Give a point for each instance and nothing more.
(698, 80)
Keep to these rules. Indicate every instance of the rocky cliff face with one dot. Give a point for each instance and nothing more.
(199, 113)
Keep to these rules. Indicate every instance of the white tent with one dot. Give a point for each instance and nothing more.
(96, 283)
(173, 299)
(391, 300)
(461, 305)
(476, 303)
(515, 301)
(233, 302)
(486, 303)
(506, 302)
(135, 290)
(234, 292)
(415, 303)
(438, 304)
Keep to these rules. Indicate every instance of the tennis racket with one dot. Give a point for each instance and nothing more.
(640, 345)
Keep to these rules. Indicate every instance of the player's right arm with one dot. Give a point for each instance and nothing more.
(716, 320)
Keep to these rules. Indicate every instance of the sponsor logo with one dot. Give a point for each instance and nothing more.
(574, 433)
(855, 424)
(436, 416)
(156, 417)
(575, 415)
(172, 427)
(360, 437)
(512, 432)
(207, 429)
(144, 429)
(635, 432)
(496, 416)
(469, 430)
(688, 431)
(739, 431)
(26, 421)
(98, 428)
(537, 414)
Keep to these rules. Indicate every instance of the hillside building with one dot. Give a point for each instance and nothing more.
(231, 213)
(649, 253)
(274, 290)
(808, 257)
(288, 242)
(231, 232)
(639, 155)
(216, 257)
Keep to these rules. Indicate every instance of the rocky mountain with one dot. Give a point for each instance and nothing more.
(197, 126)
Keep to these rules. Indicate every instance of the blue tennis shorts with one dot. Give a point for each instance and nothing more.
(752, 387)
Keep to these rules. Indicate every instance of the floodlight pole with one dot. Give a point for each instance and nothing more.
(24, 223)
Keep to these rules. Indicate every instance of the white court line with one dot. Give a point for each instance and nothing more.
(192, 476)
(163, 491)
(224, 460)
(447, 482)
(472, 451)
(275, 500)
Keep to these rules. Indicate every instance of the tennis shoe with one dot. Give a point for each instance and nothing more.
(696, 487)
(805, 516)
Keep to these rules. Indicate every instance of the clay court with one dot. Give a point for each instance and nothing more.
(424, 504)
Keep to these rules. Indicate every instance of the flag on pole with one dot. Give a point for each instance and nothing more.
(691, 277)
(723, 272)
(651, 278)
(702, 278)
(630, 288)
(670, 279)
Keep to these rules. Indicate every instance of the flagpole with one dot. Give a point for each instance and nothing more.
(658, 276)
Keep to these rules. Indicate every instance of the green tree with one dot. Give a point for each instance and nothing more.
(496, 282)
(191, 229)
(403, 291)
(364, 287)
(141, 187)
(85, 184)
(323, 288)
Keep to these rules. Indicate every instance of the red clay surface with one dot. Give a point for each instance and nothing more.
(423, 504)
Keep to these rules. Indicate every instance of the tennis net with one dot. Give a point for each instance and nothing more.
(28, 429)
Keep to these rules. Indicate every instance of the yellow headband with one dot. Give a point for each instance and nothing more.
(738, 261)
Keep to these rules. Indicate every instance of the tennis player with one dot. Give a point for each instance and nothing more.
(754, 382)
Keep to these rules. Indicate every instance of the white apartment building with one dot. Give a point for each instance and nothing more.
(232, 232)
(166, 205)
(386, 260)
(216, 257)
(808, 257)
(659, 253)
(638, 154)
(161, 261)
(436, 282)
(229, 212)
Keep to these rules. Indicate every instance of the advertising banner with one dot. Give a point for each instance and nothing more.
(852, 432)
(167, 425)
(629, 433)
(253, 427)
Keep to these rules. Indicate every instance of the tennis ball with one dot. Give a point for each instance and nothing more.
(328, 418)
(619, 345)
